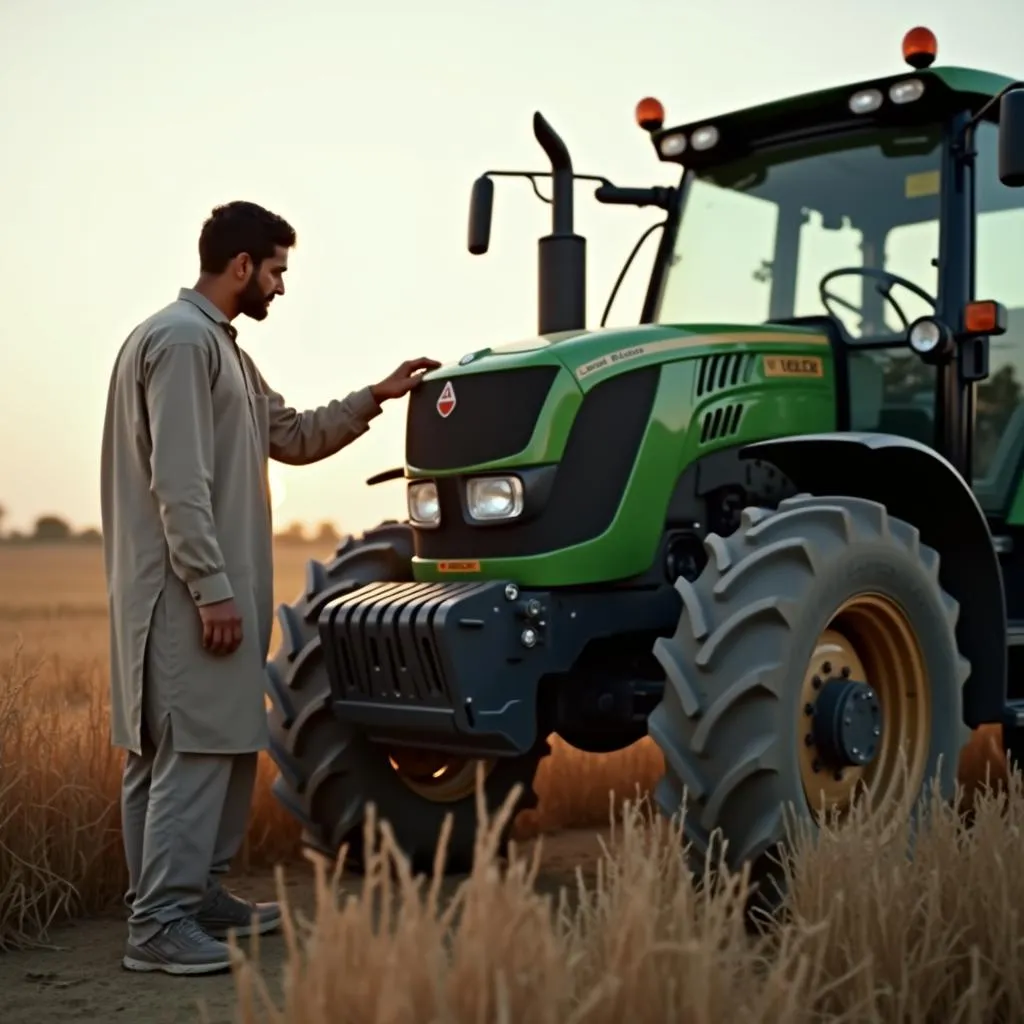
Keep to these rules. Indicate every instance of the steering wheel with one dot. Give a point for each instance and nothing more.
(885, 283)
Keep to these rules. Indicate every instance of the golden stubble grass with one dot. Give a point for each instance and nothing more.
(60, 845)
(868, 932)
(881, 924)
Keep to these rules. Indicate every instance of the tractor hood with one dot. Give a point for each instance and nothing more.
(516, 404)
(591, 356)
(598, 427)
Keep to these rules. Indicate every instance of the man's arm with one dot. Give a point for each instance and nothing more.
(299, 438)
(176, 381)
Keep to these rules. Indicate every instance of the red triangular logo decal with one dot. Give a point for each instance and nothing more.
(446, 400)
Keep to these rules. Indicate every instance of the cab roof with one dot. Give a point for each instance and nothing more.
(947, 89)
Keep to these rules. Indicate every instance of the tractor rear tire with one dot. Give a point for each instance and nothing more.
(329, 772)
(751, 668)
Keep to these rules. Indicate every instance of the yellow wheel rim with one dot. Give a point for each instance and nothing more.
(435, 776)
(868, 641)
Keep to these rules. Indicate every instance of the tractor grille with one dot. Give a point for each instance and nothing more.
(382, 643)
(587, 489)
(723, 370)
(494, 417)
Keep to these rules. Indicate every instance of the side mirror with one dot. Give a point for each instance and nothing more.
(1011, 138)
(481, 206)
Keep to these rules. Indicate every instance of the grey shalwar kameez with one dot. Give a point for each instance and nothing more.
(190, 424)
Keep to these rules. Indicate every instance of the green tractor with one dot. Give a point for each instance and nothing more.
(777, 526)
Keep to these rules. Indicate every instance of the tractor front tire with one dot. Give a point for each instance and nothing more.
(818, 634)
(329, 772)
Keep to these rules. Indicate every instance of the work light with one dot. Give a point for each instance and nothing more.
(930, 339)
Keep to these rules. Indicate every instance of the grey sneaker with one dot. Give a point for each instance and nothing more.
(181, 947)
(223, 911)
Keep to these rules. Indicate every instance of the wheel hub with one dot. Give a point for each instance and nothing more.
(435, 776)
(863, 707)
(847, 724)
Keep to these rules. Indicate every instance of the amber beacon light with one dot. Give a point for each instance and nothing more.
(920, 47)
(650, 114)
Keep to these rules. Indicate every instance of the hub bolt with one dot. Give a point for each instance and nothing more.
(528, 637)
(511, 592)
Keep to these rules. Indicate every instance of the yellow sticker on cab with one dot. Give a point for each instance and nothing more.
(921, 184)
(793, 366)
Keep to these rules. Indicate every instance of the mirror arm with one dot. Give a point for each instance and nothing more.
(532, 175)
(964, 146)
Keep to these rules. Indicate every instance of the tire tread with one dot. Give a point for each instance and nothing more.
(724, 663)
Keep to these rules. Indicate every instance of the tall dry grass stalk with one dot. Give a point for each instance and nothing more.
(922, 922)
(868, 933)
(60, 818)
(59, 778)
(58, 821)
(60, 842)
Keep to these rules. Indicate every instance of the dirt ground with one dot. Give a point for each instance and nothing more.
(81, 979)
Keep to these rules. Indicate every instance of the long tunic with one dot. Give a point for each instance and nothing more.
(190, 424)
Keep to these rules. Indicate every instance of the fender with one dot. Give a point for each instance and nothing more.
(917, 484)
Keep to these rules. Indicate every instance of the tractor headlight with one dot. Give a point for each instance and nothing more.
(494, 497)
(423, 502)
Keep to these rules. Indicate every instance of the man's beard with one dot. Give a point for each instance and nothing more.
(252, 302)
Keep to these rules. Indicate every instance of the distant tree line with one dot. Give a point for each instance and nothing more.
(326, 535)
(48, 530)
(51, 529)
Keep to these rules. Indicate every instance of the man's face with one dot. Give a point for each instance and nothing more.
(262, 284)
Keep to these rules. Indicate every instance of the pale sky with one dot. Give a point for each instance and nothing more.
(123, 122)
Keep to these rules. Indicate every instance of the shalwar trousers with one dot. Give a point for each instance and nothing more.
(184, 817)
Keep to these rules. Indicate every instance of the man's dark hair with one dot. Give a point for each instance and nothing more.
(241, 227)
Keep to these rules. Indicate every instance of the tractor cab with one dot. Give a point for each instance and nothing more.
(882, 206)
(880, 212)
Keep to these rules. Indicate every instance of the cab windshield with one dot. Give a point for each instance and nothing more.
(758, 236)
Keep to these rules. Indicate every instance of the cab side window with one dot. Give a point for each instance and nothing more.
(999, 422)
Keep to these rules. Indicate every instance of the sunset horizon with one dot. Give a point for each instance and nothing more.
(103, 233)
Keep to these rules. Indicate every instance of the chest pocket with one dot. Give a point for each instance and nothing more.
(241, 398)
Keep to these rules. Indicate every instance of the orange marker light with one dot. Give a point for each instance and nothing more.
(920, 47)
(650, 114)
(985, 317)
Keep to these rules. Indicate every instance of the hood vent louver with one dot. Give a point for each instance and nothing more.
(721, 422)
(723, 370)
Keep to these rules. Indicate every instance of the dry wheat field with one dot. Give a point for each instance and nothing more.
(595, 918)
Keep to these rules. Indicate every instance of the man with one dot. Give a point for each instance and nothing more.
(190, 424)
